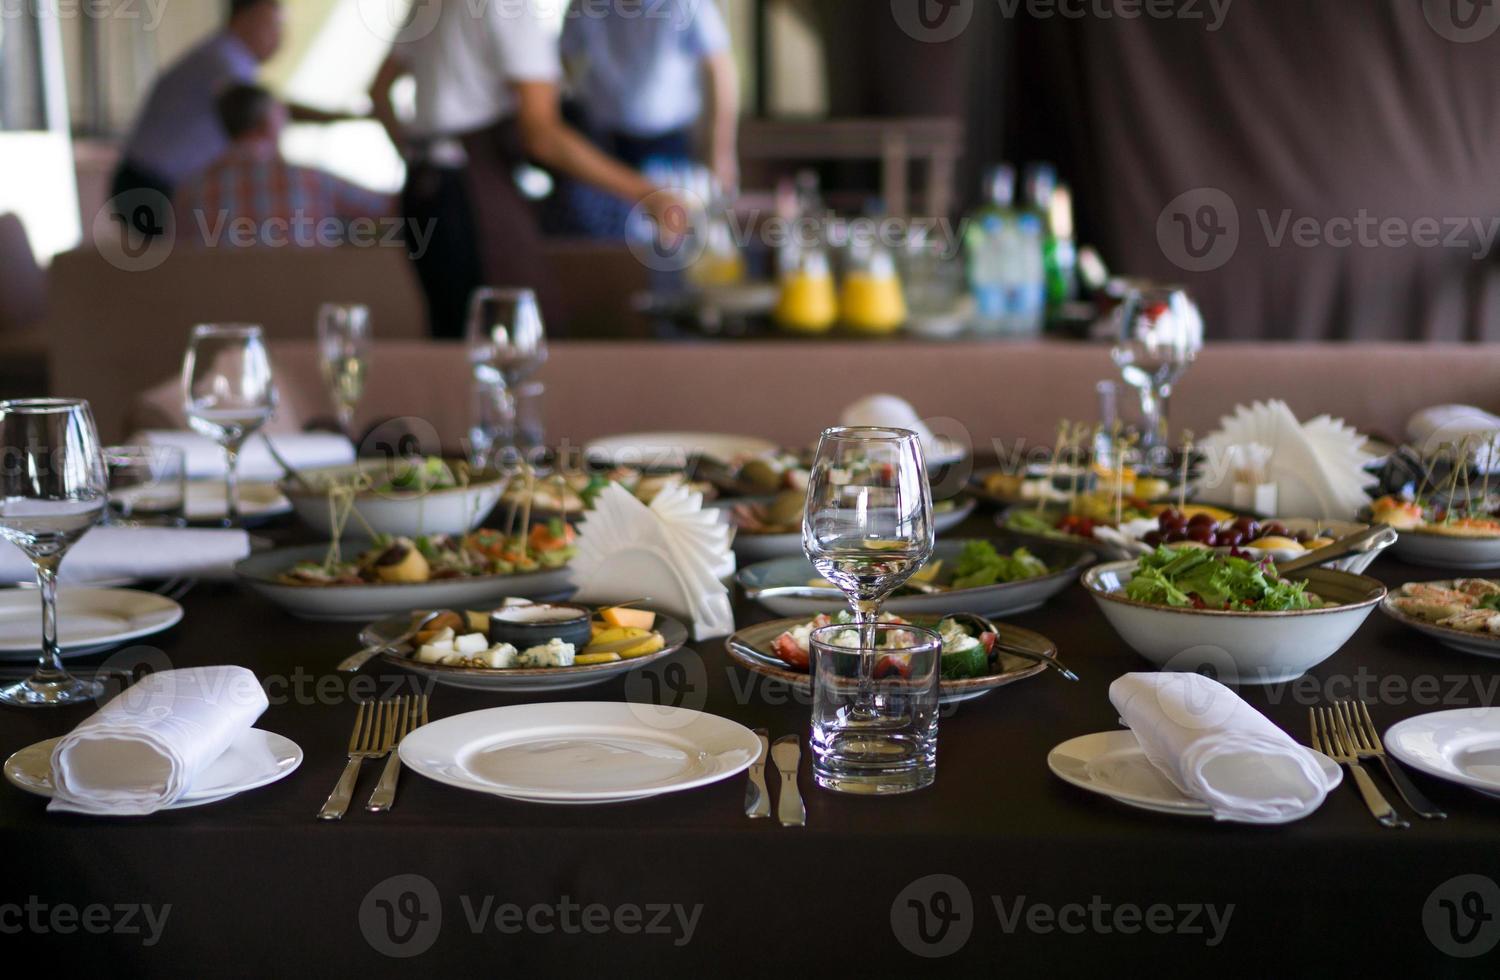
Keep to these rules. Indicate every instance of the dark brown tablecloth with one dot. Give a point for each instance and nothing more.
(257, 887)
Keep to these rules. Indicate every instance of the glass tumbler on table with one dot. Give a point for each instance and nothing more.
(147, 485)
(507, 342)
(883, 744)
(228, 394)
(53, 488)
(344, 339)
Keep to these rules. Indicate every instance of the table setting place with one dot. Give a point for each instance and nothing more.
(509, 574)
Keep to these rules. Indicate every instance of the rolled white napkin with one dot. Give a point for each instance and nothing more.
(1216, 748)
(110, 554)
(302, 450)
(143, 750)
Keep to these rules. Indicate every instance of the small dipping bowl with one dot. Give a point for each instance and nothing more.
(529, 626)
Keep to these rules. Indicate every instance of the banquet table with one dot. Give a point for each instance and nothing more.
(1000, 865)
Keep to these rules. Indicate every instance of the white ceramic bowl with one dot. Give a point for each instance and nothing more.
(455, 511)
(1237, 647)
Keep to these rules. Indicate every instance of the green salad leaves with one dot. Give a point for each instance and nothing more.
(979, 564)
(1196, 578)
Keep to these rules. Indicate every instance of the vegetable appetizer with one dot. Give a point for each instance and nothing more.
(437, 557)
(966, 651)
(1468, 604)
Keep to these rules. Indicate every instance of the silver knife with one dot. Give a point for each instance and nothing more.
(787, 754)
(757, 799)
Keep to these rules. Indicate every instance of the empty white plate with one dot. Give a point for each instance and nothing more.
(256, 758)
(672, 450)
(1113, 764)
(583, 752)
(205, 501)
(1461, 746)
(88, 620)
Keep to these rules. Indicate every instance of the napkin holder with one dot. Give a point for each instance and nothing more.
(1254, 498)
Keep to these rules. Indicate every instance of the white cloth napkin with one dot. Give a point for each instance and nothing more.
(302, 450)
(112, 554)
(1216, 748)
(892, 412)
(143, 750)
(1431, 427)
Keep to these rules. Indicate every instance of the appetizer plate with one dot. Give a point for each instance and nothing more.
(674, 450)
(456, 510)
(1113, 764)
(204, 502)
(523, 680)
(978, 487)
(363, 603)
(751, 649)
(1482, 644)
(1238, 646)
(1461, 746)
(254, 759)
(1004, 599)
(1445, 551)
(760, 547)
(88, 620)
(580, 752)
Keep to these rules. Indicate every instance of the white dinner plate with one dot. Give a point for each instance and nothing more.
(1114, 765)
(580, 752)
(254, 759)
(673, 450)
(1461, 746)
(88, 620)
(205, 501)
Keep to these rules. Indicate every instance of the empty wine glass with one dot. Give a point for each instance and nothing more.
(506, 330)
(867, 527)
(228, 394)
(1158, 332)
(53, 488)
(344, 348)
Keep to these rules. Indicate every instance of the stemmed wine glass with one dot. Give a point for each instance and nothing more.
(344, 338)
(228, 394)
(507, 343)
(1158, 332)
(867, 527)
(53, 488)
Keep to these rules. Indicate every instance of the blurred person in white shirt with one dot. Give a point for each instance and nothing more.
(487, 80)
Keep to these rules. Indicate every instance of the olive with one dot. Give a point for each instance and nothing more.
(1201, 533)
(786, 508)
(1152, 539)
(1273, 529)
(1202, 519)
(761, 475)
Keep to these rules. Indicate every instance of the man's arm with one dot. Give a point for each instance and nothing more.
(307, 114)
(723, 119)
(382, 109)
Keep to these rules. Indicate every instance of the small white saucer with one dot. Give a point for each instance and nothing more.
(256, 758)
(1112, 764)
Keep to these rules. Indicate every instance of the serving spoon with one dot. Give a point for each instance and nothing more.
(1375, 536)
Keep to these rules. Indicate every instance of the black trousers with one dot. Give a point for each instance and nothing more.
(437, 199)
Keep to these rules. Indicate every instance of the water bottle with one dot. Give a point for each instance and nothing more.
(985, 241)
(1027, 279)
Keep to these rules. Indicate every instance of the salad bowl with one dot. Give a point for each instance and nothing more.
(783, 585)
(442, 507)
(1237, 646)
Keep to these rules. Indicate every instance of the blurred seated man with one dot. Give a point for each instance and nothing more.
(177, 133)
(656, 80)
(252, 196)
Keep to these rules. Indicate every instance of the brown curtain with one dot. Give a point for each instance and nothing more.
(1330, 114)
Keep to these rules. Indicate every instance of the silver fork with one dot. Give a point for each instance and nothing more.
(413, 715)
(369, 741)
(1367, 744)
(1329, 737)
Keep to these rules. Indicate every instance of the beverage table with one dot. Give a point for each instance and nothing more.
(1000, 865)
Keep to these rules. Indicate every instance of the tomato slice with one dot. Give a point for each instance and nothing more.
(790, 653)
